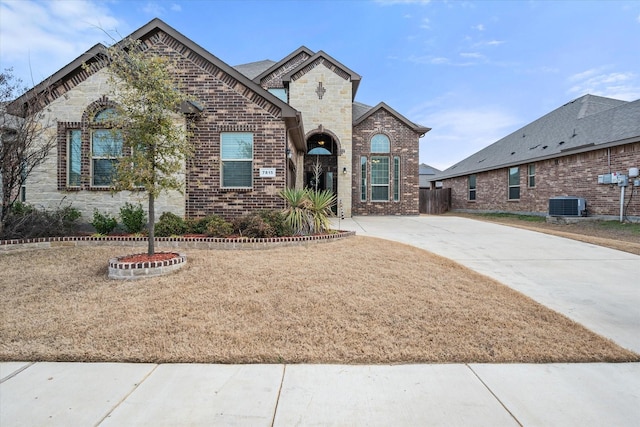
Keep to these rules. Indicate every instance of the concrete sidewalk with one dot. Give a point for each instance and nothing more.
(595, 286)
(107, 394)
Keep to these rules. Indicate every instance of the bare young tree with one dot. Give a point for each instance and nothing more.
(26, 138)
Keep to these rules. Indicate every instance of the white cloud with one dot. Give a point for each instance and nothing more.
(478, 27)
(153, 8)
(474, 55)
(176, 7)
(638, 18)
(39, 38)
(426, 24)
(459, 132)
(597, 81)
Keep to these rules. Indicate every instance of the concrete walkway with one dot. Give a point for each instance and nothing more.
(595, 286)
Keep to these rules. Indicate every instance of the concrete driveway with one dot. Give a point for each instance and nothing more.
(595, 286)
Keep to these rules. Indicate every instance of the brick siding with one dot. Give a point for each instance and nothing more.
(573, 175)
(404, 144)
(229, 106)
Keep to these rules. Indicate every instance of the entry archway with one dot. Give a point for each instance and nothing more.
(321, 161)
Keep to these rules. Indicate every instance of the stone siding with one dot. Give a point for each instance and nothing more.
(573, 175)
(43, 187)
(333, 112)
(404, 144)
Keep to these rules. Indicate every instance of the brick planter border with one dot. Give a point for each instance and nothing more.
(138, 270)
(169, 243)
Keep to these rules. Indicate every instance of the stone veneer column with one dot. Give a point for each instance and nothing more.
(330, 107)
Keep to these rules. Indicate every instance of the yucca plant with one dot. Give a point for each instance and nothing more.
(320, 204)
(296, 213)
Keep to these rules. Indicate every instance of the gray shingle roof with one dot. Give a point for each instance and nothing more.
(254, 69)
(576, 126)
(359, 109)
(427, 170)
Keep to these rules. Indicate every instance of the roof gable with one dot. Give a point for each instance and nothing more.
(335, 66)
(285, 65)
(74, 73)
(382, 106)
(580, 125)
(210, 62)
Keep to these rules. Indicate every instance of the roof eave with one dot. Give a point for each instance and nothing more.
(422, 130)
(568, 152)
(295, 128)
(14, 106)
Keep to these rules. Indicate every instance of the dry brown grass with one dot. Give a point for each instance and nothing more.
(357, 300)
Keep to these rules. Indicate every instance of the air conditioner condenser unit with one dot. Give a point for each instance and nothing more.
(567, 206)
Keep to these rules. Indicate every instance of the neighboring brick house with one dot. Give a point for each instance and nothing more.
(560, 154)
(426, 175)
(259, 128)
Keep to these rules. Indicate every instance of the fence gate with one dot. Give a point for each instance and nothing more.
(434, 202)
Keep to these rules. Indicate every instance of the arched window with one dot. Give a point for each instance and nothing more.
(106, 148)
(380, 143)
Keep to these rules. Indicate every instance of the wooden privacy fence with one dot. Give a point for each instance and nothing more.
(436, 201)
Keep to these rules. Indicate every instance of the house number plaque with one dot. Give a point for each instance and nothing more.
(267, 172)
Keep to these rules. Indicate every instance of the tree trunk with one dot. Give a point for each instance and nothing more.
(152, 234)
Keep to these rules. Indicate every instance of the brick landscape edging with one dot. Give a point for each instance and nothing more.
(136, 270)
(171, 242)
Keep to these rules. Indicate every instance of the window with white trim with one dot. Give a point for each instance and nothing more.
(236, 152)
(363, 178)
(396, 179)
(380, 143)
(74, 157)
(514, 183)
(531, 175)
(472, 187)
(106, 149)
(379, 178)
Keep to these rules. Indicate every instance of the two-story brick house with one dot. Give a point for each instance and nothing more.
(258, 128)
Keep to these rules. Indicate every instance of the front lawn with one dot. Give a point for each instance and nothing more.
(357, 300)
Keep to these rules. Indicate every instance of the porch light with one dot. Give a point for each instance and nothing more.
(344, 170)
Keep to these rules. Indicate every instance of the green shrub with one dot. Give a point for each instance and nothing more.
(170, 225)
(133, 218)
(277, 220)
(103, 223)
(297, 214)
(199, 225)
(26, 222)
(320, 204)
(253, 225)
(20, 209)
(218, 227)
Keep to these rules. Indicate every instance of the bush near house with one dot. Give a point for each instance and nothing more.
(133, 218)
(27, 222)
(307, 210)
(170, 224)
(217, 227)
(103, 223)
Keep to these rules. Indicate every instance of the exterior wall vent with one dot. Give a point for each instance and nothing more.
(567, 206)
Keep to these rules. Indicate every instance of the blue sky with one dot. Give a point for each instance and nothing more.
(474, 71)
